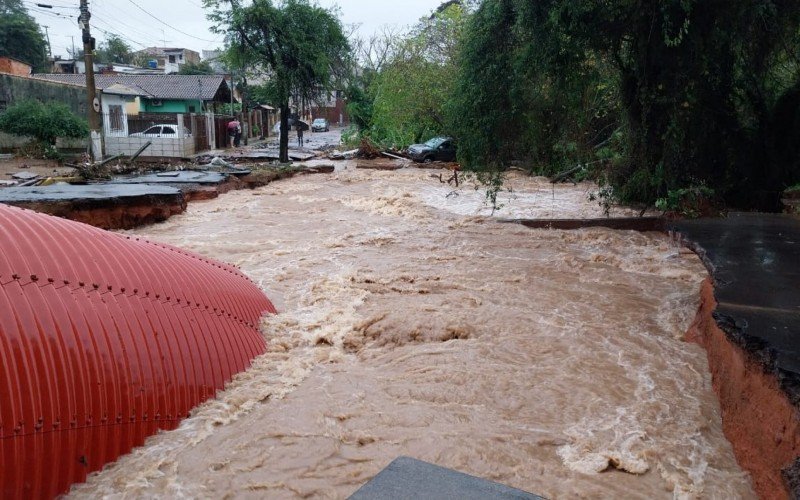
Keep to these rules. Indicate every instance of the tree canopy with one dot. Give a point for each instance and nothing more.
(114, 50)
(298, 45)
(200, 68)
(400, 91)
(661, 93)
(412, 89)
(20, 36)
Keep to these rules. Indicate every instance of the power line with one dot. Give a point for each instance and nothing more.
(140, 30)
(133, 31)
(169, 26)
(50, 5)
(52, 14)
(109, 33)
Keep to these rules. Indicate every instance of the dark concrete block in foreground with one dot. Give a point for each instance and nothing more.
(414, 479)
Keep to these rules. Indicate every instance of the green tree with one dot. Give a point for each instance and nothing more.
(411, 90)
(114, 50)
(299, 45)
(20, 35)
(200, 68)
(674, 92)
(45, 122)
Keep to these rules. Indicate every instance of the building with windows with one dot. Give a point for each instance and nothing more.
(159, 93)
(167, 59)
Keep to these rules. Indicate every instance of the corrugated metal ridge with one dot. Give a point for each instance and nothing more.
(164, 289)
(104, 340)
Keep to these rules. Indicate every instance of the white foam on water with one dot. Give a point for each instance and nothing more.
(410, 326)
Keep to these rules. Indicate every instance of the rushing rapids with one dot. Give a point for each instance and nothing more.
(551, 361)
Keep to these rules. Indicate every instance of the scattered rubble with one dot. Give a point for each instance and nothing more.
(346, 155)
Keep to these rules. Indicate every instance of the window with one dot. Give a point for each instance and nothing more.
(172, 59)
(168, 130)
(115, 118)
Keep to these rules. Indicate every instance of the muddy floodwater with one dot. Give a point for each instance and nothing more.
(411, 324)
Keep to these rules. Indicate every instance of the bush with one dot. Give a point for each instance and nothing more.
(351, 137)
(44, 122)
(693, 201)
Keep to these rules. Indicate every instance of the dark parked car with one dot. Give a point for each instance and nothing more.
(320, 125)
(436, 149)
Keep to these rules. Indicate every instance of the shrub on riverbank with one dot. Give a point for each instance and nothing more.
(44, 122)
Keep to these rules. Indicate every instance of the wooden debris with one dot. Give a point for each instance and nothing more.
(563, 176)
(368, 150)
(390, 155)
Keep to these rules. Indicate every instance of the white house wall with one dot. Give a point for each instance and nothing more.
(114, 100)
(161, 147)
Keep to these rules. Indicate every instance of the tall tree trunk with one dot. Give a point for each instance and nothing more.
(284, 142)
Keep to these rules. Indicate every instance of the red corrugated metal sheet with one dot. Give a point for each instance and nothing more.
(105, 339)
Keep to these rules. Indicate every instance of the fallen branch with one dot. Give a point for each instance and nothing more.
(390, 155)
(566, 174)
(106, 161)
(31, 182)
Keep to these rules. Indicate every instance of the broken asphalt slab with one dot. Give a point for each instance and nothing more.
(174, 177)
(642, 224)
(754, 260)
(266, 154)
(108, 206)
(194, 185)
(86, 192)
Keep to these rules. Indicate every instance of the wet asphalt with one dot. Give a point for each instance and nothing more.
(754, 259)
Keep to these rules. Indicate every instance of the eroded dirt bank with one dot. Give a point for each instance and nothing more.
(550, 361)
(758, 418)
(114, 214)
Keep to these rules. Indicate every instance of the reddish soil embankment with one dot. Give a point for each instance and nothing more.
(112, 215)
(757, 416)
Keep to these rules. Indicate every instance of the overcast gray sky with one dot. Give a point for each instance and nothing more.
(182, 23)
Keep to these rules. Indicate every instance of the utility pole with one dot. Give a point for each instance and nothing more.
(91, 97)
(49, 49)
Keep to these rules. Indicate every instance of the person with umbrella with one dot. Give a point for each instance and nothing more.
(300, 135)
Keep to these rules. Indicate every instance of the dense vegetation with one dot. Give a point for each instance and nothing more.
(44, 122)
(20, 35)
(298, 44)
(200, 68)
(655, 97)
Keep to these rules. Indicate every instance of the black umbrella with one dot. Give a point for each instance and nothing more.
(300, 124)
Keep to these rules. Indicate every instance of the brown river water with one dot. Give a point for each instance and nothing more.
(410, 324)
